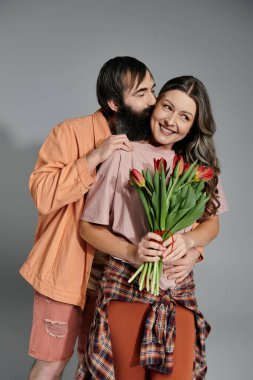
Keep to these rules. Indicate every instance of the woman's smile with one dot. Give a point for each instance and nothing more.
(165, 130)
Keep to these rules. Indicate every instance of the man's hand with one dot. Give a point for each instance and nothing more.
(101, 153)
(182, 244)
(179, 269)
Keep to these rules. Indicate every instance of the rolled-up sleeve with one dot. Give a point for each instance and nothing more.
(99, 201)
(222, 198)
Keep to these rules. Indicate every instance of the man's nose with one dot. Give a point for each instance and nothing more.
(151, 99)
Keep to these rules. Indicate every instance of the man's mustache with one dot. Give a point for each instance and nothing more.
(149, 110)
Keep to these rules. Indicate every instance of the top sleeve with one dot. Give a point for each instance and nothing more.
(57, 180)
(98, 204)
(222, 198)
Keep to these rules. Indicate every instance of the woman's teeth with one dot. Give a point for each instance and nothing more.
(165, 130)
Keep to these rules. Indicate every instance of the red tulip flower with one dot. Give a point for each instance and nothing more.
(137, 178)
(180, 160)
(186, 166)
(158, 164)
(204, 173)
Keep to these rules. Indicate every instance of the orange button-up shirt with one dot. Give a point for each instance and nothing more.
(59, 263)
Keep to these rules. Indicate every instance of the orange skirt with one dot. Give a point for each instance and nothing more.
(127, 321)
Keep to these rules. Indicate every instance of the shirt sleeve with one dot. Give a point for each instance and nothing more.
(57, 179)
(99, 201)
(222, 198)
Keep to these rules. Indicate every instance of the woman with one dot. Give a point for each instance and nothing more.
(133, 331)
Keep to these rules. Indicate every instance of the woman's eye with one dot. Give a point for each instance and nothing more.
(167, 107)
(185, 117)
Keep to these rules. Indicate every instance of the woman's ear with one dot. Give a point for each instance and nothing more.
(113, 105)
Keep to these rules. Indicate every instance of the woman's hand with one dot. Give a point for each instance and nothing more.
(149, 248)
(180, 268)
(182, 244)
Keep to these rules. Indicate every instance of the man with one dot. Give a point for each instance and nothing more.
(59, 264)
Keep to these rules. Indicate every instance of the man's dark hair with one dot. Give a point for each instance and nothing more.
(115, 76)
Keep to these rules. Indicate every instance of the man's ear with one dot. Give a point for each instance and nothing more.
(113, 105)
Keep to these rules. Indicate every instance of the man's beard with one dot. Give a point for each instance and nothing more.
(136, 125)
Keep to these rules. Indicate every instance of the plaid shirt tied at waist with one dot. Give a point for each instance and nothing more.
(160, 329)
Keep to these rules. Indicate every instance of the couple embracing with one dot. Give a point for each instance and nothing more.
(92, 233)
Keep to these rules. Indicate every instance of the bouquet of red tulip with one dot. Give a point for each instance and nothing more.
(172, 202)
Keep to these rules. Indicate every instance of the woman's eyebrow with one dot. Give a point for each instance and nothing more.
(167, 100)
(189, 113)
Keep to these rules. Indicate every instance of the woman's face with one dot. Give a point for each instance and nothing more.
(172, 118)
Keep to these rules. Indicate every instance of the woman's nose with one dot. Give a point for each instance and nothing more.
(171, 119)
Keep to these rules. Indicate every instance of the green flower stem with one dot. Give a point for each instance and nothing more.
(150, 265)
(153, 281)
(142, 276)
(146, 207)
(163, 201)
(136, 273)
(171, 189)
(148, 191)
(157, 278)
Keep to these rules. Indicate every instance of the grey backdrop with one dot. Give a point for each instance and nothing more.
(51, 52)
